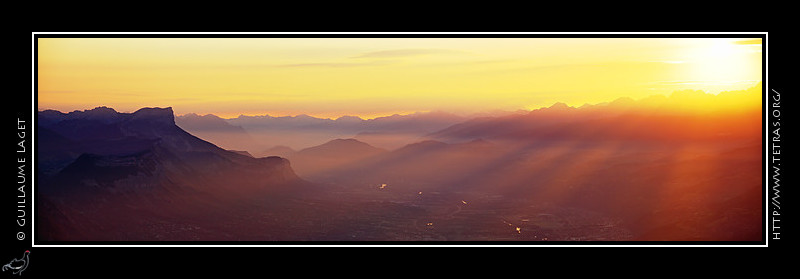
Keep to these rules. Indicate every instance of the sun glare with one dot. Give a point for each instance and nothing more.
(721, 62)
(374, 77)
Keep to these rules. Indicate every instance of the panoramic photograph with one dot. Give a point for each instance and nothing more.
(364, 140)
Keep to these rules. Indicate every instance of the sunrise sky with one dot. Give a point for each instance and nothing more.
(371, 77)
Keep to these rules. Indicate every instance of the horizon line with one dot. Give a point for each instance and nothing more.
(471, 114)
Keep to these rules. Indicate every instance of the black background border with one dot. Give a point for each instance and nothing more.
(64, 261)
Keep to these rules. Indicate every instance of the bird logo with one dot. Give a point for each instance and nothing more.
(17, 266)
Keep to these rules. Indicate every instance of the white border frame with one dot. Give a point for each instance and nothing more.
(765, 84)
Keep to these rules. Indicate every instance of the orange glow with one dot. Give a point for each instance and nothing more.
(372, 77)
(655, 138)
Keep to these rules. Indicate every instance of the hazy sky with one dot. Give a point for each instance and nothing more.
(372, 77)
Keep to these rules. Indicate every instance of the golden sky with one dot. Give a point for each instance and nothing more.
(370, 77)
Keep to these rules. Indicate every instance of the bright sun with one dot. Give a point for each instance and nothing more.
(720, 61)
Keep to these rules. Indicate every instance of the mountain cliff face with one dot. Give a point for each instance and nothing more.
(95, 162)
(628, 170)
(144, 141)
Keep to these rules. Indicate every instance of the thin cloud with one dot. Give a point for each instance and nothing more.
(331, 65)
(325, 65)
(57, 91)
(564, 67)
(749, 42)
(702, 82)
(399, 53)
(669, 62)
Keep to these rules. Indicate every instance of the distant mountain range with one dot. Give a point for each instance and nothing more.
(683, 116)
(631, 159)
(258, 134)
(425, 121)
(669, 168)
(143, 162)
(217, 130)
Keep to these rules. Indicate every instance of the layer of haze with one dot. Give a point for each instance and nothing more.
(669, 148)
(373, 77)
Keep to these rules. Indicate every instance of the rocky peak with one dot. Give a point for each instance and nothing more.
(155, 115)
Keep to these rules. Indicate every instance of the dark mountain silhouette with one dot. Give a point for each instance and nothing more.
(659, 168)
(143, 165)
(245, 153)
